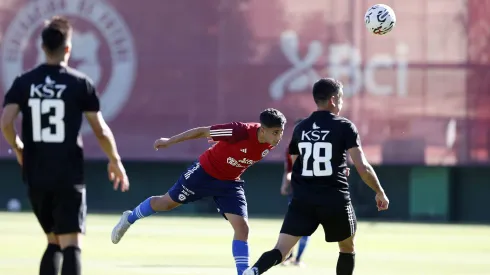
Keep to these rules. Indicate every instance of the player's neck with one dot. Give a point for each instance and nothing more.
(260, 137)
(56, 61)
(326, 109)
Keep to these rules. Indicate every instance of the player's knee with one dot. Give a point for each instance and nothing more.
(347, 246)
(240, 226)
(52, 239)
(70, 240)
(241, 232)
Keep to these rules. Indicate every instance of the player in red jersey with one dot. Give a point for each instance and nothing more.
(216, 174)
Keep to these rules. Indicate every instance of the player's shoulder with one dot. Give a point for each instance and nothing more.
(29, 74)
(250, 125)
(343, 121)
(64, 71)
(248, 129)
(78, 75)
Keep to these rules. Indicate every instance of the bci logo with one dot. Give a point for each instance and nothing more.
(344, 61)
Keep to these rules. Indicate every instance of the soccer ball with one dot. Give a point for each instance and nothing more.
(380, 19)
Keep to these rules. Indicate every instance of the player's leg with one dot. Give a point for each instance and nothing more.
(41, 205)
(291, 257)
(346, 260)
(340, 224)
(299, 221)
(70, 215)
(153, 205)
(303, 242)
(283, 248)
(51, 260)
(232, 204)
(71, 247)
(180, 193)
(301, 247)
(239, 246)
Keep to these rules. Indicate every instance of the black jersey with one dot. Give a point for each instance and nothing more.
(52, 100)
(321, 142)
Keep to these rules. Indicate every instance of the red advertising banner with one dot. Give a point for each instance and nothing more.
(417, 95)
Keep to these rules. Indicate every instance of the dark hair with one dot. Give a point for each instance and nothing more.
(325, 88)
(55, 34)
(272, 118)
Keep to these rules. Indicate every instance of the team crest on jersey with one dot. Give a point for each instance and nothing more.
(266, 151)
(103, 47)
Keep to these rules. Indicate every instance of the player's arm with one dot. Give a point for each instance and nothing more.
(364, 168)
(292, 154)
(12, 102)
(286, 177)
(229, 132)
(105, 137)
(9, 115)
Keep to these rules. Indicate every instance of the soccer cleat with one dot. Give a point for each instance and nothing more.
(121, 227)
(251, 271)
(287, 262)
(299, 264)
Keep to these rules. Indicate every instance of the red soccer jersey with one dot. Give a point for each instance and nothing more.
(237, 149)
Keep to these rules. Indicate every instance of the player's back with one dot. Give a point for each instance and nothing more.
(322, 141)
(52, 100)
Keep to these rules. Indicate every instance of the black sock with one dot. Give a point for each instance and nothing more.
(345, 263)
(268, 260)
(71, 261)
(50, 263)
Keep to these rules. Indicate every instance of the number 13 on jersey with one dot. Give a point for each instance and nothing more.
(320, 153)
(45, 106)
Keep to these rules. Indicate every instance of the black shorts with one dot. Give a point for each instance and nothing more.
(302, 219)
(61, 211)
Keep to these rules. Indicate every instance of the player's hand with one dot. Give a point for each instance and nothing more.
(117, 174)
(285, 190)
(161, 143)
(382, 201)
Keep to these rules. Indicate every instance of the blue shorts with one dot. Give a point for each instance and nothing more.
(195, 184)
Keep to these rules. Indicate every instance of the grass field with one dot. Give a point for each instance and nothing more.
(172, 246)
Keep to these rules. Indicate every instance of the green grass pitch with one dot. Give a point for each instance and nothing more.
(183, 245)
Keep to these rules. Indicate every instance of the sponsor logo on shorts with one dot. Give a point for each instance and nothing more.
(185, 193)
(182, 197)
(191, 171)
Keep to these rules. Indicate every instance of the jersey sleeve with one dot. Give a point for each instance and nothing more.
(352, 137)
(229, 132)
(14, 94)
(91, 101)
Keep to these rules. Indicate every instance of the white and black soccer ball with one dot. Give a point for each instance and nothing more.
(380, 19)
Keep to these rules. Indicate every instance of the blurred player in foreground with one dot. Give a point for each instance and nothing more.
(216, 174)
(53, 99)
(321, 193)
(286, 190)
